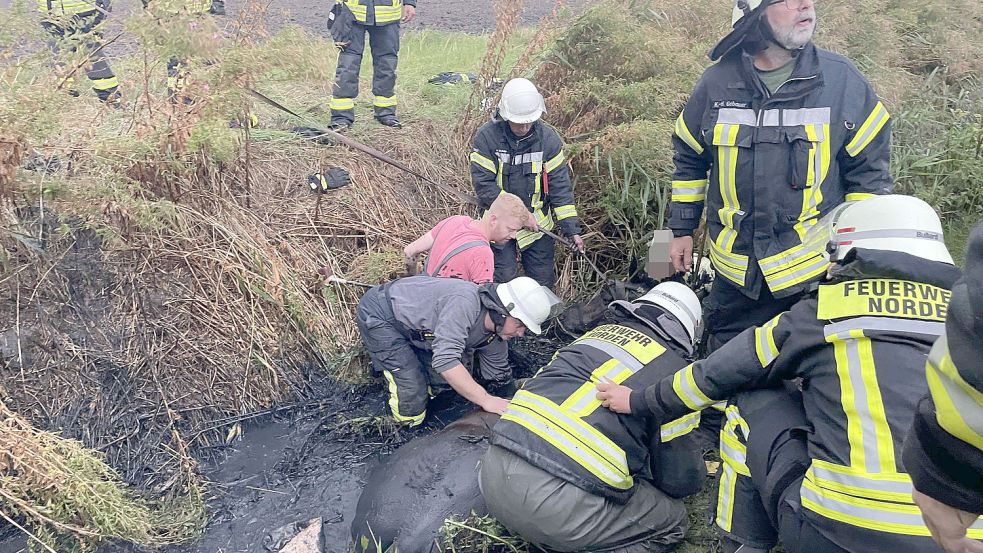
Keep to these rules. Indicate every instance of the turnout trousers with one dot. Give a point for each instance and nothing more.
(537, 261)
(384, 44)
(80, 33)
(758, 499)
(556, 514)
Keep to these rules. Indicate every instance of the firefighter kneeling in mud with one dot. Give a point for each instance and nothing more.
(565, 473)
(822, 396)
(419, 330)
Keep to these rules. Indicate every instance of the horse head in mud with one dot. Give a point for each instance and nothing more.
(408, 497)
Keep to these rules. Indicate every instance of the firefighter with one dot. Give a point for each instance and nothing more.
(774, 136)
(516, 152)
(77, 23)
(460, 247)
(418, 330)
(380, 19)
(821, 396)
(177, 69)
(568, 475)
(944, 449)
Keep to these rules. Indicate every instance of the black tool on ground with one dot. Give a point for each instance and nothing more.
(453, 78)
(332, 179)
(338, 137)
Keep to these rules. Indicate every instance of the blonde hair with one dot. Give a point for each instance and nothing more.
(509, 205)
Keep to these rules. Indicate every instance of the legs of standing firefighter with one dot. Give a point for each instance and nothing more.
(537, 261)
(384, 45)
(81, 34)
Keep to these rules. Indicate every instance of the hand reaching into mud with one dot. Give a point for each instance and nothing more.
(494, 404)
(615, 397)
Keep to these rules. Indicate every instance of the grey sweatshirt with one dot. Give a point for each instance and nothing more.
(450, 308)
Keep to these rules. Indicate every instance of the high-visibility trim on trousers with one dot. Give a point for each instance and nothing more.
(578, 440)
(384, 101)
(733, 455)
(412, 420)
(342, 103)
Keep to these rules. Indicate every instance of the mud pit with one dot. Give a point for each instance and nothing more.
(312, 463)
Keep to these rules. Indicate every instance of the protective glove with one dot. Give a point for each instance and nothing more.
(450, 77)
(332, 179)
(340, 24)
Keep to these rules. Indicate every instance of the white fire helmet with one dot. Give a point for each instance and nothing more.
(521, 102)
(527, 300)
(893, 223)
(681, 302)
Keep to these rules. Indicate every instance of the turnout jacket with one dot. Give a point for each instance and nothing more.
(944, 450)
(555, 422)
(532, 167)
(766, 166)
(446, 317)
(859, 344)
(378, 12)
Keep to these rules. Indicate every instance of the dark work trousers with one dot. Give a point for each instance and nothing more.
(80, 33)
(537, 261)
(726, 313)
(384, 44)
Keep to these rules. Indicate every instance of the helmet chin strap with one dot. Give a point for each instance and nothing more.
(769, 35)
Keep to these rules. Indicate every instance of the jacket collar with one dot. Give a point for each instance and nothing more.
(861, 263)
(806, 75)
(665, 326)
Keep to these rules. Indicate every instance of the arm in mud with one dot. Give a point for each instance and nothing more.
(691, 158)
(746, 362)
(463, 383)
(557, 172)
(484, 169)
(412, 251)
(866, 154)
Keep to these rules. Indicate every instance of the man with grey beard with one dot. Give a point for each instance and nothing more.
(774, 137)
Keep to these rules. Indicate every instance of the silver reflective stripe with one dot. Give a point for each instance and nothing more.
(872, 129)
(698, 191)
(614, 352)
(734, 116)
(841, 330)
(861, 403)
(552, 412)
(504, 157)
(862, 483)
(531, 157)
(965, 404)
(789, 259)
(795, 117)
(805, 269)
(935, 236)
(862, 513)
(590, 399)
(581, 453)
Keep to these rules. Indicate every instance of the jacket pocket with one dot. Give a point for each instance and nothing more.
(808, 150)
(732, 143)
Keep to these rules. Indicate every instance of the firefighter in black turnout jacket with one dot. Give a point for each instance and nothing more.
(774, 136)
(812, 453)
(77, 25)
(516, 152)
(569, 475)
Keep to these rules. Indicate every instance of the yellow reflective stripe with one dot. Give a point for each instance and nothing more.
(882, 297)
(857, 196)
(868, 131)
(679, 427)
(792, 266)
(358, 10)
(499, 172)
(565, 211)
(732, 266)
(764, 342)
(483, 162)
(104, 84)
(725, 497)
(868, 432)
(956, 401)
(726, 136)
(394, 404)
(818, 167)
(583, 402)
(579, 440)
(883, 516)
(384, 101)
(557, 160)
(526, 237)
(683, 133)
(734, 453)
(890, 486)
(684, 385)
(341, 104)
(385, 14)
(689, 190)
